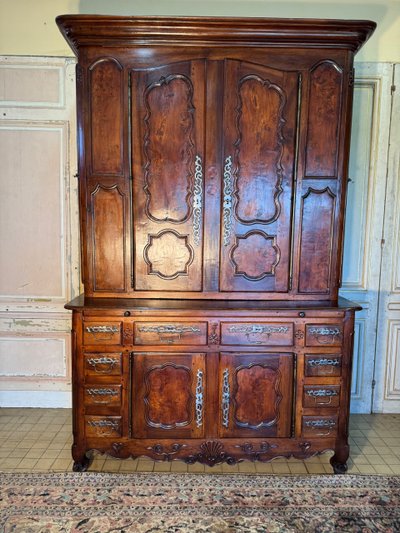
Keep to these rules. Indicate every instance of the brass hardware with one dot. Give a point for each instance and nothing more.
(227, 203)
(166, 330)
(325, 335)
(197, 199)
(199, 399)
(127, 313)
(257, 329)
(324, 362)
(111, 361)
(226, 396)
(102, 329)
(102, 392)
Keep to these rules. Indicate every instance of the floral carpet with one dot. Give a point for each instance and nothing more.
(172, 503)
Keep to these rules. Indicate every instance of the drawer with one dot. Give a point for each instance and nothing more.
(319, 426)
(321, 395)
(177, 333)
(102, 332)
(102, 364)
(324, 334)
(103, 426)
(322, 365)
(104, 395)
(257, 333)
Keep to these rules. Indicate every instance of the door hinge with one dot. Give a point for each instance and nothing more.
(132, 280)
(382, 243)
(392, 89)
(290, 282)
(373, 383)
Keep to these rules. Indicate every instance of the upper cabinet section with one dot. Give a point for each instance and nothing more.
(213, 154)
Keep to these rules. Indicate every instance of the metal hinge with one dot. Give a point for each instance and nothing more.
(392, 89)
(373, 383)
(132, 280)
(382, 243)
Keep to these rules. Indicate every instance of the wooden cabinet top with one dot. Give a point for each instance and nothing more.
(94, 30)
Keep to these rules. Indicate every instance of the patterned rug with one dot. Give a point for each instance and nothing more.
(171, 503)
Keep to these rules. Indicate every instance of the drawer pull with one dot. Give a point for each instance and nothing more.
(102, 329)
(104, 427)
(199, 399)
(324, 362)
(257, 329)
(167, 332)
(102, 392)
(226, 396)
(325, 335)
(109, 361)
(197, 199)
(322, 396)
(322, 424)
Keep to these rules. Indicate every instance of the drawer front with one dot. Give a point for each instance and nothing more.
(322, 365)
(324, 334)
(319, 426)
(103, 426)
(102, 332)
(257, 333)
(177, 333)
(102, 364)
(321, 395)
(104, 395)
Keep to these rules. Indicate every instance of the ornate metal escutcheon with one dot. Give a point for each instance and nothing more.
(252, 331)
(226, 396)
(110, 362)
(168, 332)
(227, 203)
(199, 399)
(197, 199)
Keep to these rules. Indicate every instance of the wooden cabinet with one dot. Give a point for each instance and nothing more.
(213, 158)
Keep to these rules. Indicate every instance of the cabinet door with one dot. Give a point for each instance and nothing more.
(168, 392)
(260, 108)
(167, 160)
(256, 395)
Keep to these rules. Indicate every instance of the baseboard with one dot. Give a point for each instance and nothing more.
(35, 399)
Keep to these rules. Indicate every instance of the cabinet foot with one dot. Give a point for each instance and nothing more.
(83, 464)
(338, 468)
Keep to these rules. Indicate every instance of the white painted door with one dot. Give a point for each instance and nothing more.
(387, 366)
(364, 218)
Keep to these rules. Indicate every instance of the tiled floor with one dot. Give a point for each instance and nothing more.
(39, 440)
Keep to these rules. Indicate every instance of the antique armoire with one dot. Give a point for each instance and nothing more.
(213, 159)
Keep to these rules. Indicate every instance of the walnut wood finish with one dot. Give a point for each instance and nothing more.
(213, 157)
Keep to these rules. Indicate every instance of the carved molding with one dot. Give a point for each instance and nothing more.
(277, 396)
(211, 453)
(164, 452)
(147, 399)
(213, 337)
(187, 146)
(160, 261)
(279, 143)
(255, 255)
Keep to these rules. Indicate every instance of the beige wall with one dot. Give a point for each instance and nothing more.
(27, 26)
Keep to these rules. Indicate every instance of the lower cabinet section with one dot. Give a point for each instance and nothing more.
(212, 388)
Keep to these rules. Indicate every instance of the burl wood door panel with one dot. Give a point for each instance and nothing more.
(260, 106)
(167, 159)
(256, 395)
(168, 395)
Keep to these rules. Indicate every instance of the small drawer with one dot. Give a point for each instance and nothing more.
(319, 426)
(324, 334)
(257, 333)
(177, 333)
(322, 365)
(103, 426)
(106, 395)
(321, 395)
(102, 332)
(102, 364)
